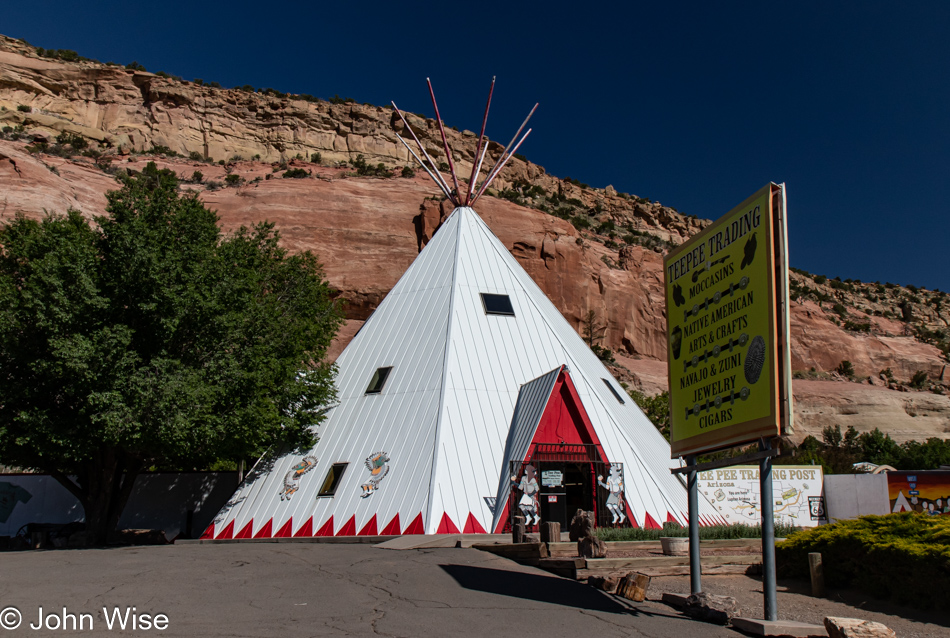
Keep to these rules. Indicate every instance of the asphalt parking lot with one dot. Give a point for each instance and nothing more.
(289, 590)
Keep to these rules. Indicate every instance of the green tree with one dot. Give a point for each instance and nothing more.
(151, 340)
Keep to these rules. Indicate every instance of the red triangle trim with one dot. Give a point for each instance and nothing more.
(327, 529)
(500, 528)
(446, 526)
(370, 528)
(305, 530)
(265, 532)
(472, 526)
(671, 519)
(286, 530)
(349, 527)
(208, 533)
(415, 527)
(247, 530)
(227, 533)
(393, 528)
(649, 522)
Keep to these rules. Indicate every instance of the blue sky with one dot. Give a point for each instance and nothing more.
(696, 105)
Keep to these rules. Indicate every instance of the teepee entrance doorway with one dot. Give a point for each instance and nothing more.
(557, 480)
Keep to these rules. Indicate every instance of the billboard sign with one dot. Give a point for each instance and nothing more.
(797, 490)
(727, 325)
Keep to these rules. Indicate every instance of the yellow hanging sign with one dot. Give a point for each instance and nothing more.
(727, 300)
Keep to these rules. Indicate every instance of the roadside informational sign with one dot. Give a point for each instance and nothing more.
(924, 491)
(727, 322)
(796, 490)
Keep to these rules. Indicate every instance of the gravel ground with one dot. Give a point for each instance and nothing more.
(641, 553)
(796, 603)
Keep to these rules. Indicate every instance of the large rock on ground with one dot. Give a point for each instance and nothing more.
(711, 608)
(856, 628)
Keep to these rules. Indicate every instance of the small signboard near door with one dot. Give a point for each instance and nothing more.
(552, 478)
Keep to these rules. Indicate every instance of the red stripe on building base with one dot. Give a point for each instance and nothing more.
(416, 526)
(327, 529)
(227, 533)
(306, 530)
(208, 534)
(265, 531)
(247, 530)
(649, 522)
(286, 530)
(446, 526)
(370, 528)
(393, 528)
(472, 526)
(349, 527)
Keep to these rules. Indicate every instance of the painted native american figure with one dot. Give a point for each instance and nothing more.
(614, 485)
(528, 504)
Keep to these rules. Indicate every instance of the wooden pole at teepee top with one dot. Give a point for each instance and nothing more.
(478, 147)
(495, 170)
(437, 176)
(445, 142)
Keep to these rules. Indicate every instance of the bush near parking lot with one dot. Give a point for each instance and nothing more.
(903, 556)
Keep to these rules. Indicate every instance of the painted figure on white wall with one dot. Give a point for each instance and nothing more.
(529, 495)
(614, 485)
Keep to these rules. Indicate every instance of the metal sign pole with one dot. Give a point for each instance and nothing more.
(768, 533)
(695, 567)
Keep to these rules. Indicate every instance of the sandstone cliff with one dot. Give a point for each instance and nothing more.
(589, 249)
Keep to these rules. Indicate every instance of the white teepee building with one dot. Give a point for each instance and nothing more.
(426, 437)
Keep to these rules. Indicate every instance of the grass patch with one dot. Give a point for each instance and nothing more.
(905, 557)
(715, 532)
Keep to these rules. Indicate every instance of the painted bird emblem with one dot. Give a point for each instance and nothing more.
(378, 467)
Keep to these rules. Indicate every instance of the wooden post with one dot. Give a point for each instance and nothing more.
(517, 533)
(817, 571)
(550, 532)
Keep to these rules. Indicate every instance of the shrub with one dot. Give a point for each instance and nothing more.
(195, 156)
(407, 172)
(23, 108)
(296, 173)
(364, 169)
(845, 369)
(159, 149)
(857, 327)
(713, 532)
(78, 142)
(134, 66)
(197, 176)
(903, 556)
(919, 380)
(233, 179)
(316, 158)
(580, 222)
(820, 279)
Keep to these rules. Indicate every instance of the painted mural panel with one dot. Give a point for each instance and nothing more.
(927, 492)
(734, 492)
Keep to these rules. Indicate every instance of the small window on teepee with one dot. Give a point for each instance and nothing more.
(332, 479)
(378, 380)
(613, 390)
(497, 304)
